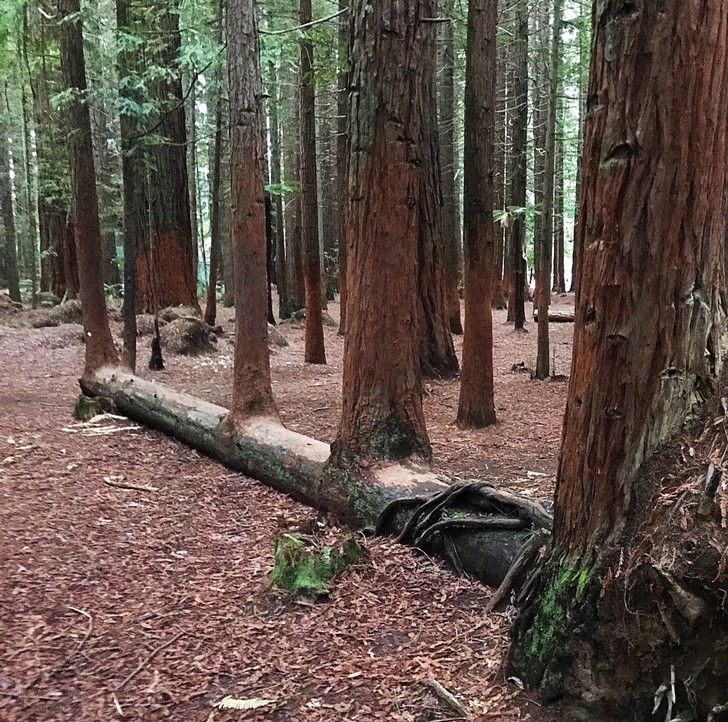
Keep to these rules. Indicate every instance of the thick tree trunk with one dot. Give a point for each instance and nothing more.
(252, 394)
(100, 349)
(487, 530)
(477, 406)
(451, 201)
(382, 413)
(630, 602)
(165, 265)
(314, 351)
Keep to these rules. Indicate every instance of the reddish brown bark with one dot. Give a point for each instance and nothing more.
(451, 200)
(252, 395)
(9, 252)
(437, 352)
(165, 266)
(314, 352)
(382, 414)
(100, 349)
(649, 351)
(341, 155)
(477, 407)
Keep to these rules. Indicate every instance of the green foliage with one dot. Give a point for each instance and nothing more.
(301, 568)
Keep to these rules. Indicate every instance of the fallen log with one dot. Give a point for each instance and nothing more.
(479, 529)
(556, 316)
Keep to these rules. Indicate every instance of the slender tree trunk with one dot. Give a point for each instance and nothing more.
(10, 244)
(629, 603)
(545, 242)
(191, 119)
(252, 394)
(518, 173)
(215, 240)
(500, 173)
(477, 407)
(342, 155)
(382, 413)
(136, 225)
(451, 202)
(314, 349)
(280, 240)
(31, 199)
(558, 233)
(100, 350)
(215, 183)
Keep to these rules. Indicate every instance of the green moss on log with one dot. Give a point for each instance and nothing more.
(85, 408)
(300, 568)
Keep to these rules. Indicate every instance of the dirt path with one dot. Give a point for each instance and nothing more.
(152, 604)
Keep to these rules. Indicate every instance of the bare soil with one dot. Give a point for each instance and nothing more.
(151, 603)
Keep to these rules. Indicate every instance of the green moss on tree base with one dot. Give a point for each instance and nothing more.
(85, 408)
(301, 568)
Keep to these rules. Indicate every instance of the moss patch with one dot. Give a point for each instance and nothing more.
(85, 408)
(303, 567)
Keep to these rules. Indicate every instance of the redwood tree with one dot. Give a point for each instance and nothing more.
(100, 349)
(165, 264)
(252, 395)
(314, 342)
(9, 254)
(477, 406)
(620, 608)
(382, 414)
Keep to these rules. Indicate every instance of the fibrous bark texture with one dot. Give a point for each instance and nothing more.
(100, 349)
(252, 395)
(9, 255)
(382, 391)
(649, 351)
(314, 340)
(165, 265)
(477, 407)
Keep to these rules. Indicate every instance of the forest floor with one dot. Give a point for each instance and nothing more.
(151, 603)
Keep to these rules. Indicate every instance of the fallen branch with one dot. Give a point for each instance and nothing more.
(447, 697)
(479, 529)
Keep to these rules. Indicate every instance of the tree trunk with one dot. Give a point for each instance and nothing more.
(382, 413)
(342, 154)
(451, 202)
(31, 198)
(518, 173)
(500, 143)
(215, 187)
(314, 352)
(477, 406)
(545, 237)
(558, 232)
(135, 221)
(10, 247)
(485, 533)
(252, 394)
(165, 265)
(275, 162)
(437, 351)
(100, 350)
(631, 594)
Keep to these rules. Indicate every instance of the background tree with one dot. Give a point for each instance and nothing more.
(100, 349)
(477, 407)
(649, 354)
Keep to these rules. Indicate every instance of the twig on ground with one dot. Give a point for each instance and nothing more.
(132, 487)
(445, 696)
(148, 659)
